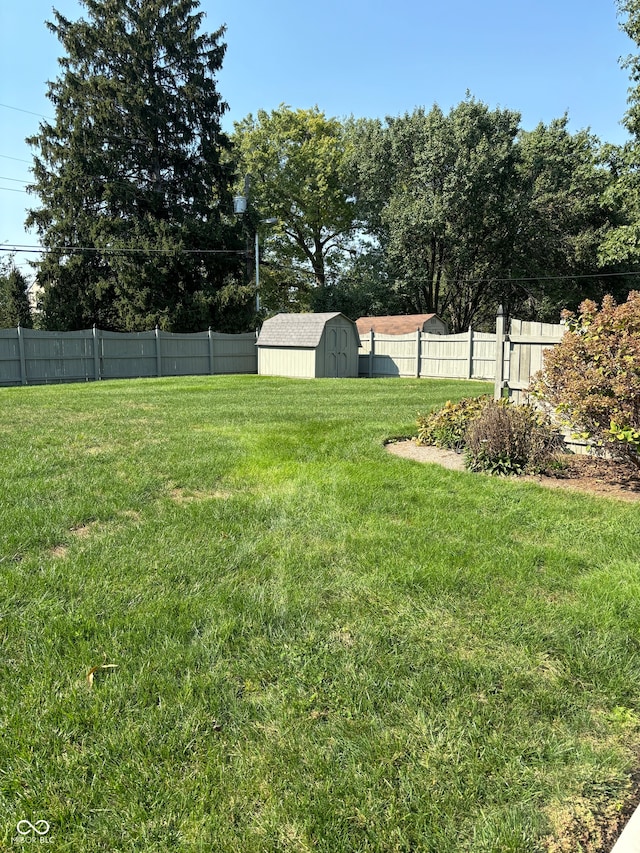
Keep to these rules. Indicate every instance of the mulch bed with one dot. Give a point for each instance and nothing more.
(590, 474)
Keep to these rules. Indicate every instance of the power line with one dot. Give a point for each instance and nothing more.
(17, 159)
(28, 112)
(546, 277)
(137, 250)
(124, 250)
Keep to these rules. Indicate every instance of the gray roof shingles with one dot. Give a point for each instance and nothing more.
(294, 330)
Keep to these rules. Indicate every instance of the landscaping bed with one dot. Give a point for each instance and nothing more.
(588, 474)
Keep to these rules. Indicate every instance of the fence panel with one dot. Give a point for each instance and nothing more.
(31, 357)
(364, 362)
(234, 353)
(523, 351)
(469, 355)
(445, 356)
(10, 372)
(531, 329)
(394, 355)
(365, 345)
(184, 354)
(128, 355)
(51, 358)
(483, 359)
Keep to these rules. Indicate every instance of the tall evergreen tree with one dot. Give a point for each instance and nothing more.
(15, 309)
(133, 175)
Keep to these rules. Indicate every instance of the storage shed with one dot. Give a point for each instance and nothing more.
(402, 324)
(308, 346)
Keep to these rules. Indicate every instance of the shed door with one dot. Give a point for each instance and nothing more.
(337, 351)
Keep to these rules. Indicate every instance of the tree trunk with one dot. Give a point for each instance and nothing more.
(318, 264)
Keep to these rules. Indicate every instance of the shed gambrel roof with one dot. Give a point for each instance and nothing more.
(296, 330)
(397, 324)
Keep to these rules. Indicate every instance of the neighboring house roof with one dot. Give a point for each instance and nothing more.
(399, 324)
(296, 330)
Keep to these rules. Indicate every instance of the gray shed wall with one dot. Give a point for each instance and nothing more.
(337, 355)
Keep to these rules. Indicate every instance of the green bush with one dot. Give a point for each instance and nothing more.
(509, 439)
(447, 427)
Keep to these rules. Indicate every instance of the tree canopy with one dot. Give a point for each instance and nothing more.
(295, 159)
(441, 196)
(622, 243)
(565, 213)
(15, 309)
(430, 211)
(133, 175)
(470, 211)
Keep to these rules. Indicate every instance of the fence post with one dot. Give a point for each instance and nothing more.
(418, 353)
(470, 355)
(210, 351)
(158, 353)
(497, 389)
(96, 355)
(23, 363)
(371, 352)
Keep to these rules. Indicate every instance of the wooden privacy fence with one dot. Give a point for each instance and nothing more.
(470, 355)
(510, 358)
(29, 357)
(519, 354)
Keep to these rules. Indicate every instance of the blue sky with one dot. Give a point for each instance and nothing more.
(361, 57)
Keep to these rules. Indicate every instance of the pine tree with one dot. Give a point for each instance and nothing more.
(133, 175)
(15, 309)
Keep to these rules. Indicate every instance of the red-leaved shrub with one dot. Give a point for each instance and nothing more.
(592, 378)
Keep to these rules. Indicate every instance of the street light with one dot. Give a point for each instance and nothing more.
(239, 204)
(239, 209)
(270, 221)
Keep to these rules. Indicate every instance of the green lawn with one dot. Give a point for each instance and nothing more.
(318, 646)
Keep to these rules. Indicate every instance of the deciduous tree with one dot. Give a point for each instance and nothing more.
(296, 163)
(565, 212)
(439, 193)
(622, 243)
(470, 211)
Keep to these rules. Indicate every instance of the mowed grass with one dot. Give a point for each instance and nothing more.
(309, 644)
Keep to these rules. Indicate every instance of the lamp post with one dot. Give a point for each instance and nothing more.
(240, 208)
(239, 204)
